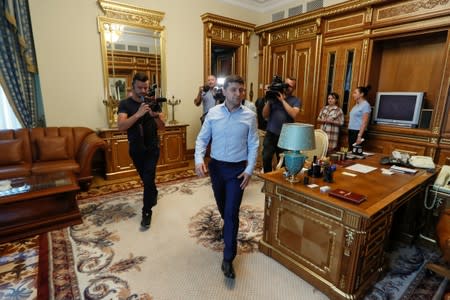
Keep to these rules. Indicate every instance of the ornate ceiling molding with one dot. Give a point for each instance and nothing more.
(228, 22)
(131, 14)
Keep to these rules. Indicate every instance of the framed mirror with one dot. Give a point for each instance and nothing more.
(132, 40)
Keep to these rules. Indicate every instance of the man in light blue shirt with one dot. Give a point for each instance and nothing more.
(231, 128)
(205, 96)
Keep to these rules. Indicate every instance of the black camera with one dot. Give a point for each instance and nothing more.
(218, 94)
(205, 88)
(154, 102)
(277, 86)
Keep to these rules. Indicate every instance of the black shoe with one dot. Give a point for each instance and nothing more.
(146, 220)
(227, 268)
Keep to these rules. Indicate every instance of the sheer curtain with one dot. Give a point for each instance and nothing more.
(8, 119)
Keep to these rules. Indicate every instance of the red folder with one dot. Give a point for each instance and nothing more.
(347, 195)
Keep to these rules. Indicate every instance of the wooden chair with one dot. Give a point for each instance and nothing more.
(321, 145)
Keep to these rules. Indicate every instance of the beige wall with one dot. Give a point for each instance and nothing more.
(69, 57)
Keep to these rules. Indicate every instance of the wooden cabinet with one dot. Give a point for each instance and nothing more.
(119, 163)
(340, 71)
(391, 45)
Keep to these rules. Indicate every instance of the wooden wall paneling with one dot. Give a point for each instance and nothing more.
(397, 45)
(412, 64)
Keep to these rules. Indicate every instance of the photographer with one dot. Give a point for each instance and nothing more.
(205, 96)
(281, 107)
(141, 123)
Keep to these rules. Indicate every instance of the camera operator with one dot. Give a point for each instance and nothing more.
(205, 96)
(277, 111)
(141, 123)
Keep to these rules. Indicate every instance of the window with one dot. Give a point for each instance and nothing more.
(8, 119)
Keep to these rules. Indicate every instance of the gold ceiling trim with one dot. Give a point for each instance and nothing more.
(403, 9)
(316, 15)
(131, 14)
(221, 20)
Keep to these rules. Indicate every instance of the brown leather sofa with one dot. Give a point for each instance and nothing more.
(42, 150)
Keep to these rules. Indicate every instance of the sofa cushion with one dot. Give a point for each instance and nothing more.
(11, 151)
(55, 166)
(52, 148)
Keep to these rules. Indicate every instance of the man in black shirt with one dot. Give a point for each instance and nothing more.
(141, 124)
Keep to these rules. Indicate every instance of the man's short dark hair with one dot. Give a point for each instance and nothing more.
(139, 76)
(233, 78)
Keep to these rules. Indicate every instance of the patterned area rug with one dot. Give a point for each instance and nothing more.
(407, 277)
(108, 257)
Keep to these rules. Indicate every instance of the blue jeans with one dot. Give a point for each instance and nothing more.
(145, 160)
(228, 195)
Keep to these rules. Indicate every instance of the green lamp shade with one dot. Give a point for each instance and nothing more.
(297, 136)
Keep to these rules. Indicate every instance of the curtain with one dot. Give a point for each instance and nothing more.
(18, 68)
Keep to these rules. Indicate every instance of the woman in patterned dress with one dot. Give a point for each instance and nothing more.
(331, 117)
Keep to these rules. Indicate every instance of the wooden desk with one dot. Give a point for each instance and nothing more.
(335, 245)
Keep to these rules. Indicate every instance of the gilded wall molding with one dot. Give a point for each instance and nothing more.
(131, 14)
(316, 15)
(293, 33)
(227, 22)
(406, 8)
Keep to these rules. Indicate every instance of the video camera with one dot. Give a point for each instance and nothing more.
(218, 94)
(154, 102)
(206, 88)
(277, 86)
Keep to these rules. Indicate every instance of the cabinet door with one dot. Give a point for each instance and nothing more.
(303, 56)
(280, 61)
(172, 143)
(340, 73)
(121, 158)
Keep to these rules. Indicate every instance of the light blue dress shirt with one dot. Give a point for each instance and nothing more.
(234, 136)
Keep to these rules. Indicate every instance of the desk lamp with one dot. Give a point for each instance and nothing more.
(295, 137)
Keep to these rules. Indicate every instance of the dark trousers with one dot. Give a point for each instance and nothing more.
(352, 137)
(269, 149)
(145, 161)
(228, 195)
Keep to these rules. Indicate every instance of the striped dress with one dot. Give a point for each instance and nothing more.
(335, 113)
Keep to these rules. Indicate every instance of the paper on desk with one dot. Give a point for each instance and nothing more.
(361, 168)
(369, 153)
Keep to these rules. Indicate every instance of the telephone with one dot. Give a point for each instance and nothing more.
(442, 183)
(425, 162)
